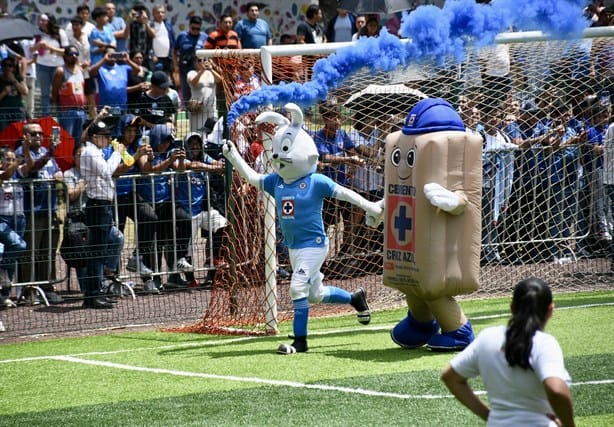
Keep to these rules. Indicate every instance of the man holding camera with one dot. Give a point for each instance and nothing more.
(154, 106)
(100, 190)
(184, 55)
(112, 73)
(140, 34)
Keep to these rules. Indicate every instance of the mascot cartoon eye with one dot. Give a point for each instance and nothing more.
(285, 147)
(411, 158)
(395, 157)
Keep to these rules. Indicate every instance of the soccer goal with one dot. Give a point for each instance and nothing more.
(545, 210)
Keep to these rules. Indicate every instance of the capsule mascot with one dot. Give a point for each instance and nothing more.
(432, 224)
(299, 193)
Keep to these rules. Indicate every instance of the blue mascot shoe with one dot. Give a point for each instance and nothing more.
(409, 333)
(452, 341)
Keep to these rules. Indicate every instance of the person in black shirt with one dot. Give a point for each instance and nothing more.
(155, 107)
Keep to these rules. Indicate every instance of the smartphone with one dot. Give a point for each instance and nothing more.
(118, 56)
(55, 135)
(145, 140)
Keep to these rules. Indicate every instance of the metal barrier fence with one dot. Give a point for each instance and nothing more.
(536, 217)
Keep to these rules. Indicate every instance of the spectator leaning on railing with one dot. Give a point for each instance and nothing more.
(41, 206)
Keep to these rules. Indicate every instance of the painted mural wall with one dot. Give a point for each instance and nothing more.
(282, 15)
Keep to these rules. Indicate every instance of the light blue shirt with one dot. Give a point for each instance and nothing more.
(253, 34)
(299, 208)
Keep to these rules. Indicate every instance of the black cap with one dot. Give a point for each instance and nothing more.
(99, 128)
(159, 78)
(208, 126)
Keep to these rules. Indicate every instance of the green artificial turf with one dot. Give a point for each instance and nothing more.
(352, 375)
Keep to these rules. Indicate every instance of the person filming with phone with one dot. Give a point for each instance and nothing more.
(112, 73)
(140, 34)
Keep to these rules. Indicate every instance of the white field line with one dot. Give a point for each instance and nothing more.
(255, 380)
(239, 339)
(280, 383)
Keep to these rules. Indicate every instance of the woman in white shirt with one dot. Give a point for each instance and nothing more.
(50, 50)
(521, 366)
(203, 103)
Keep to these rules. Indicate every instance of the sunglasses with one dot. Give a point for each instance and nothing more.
(35, 133)
(72, 53)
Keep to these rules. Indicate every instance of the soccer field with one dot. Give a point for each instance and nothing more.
(352, 375)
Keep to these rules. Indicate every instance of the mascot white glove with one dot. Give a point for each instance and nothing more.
(444, 199)
(374, 214)
(232, 154)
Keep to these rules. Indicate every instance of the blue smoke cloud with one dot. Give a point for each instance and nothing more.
(435, 34)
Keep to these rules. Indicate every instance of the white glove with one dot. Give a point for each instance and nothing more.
(374, 213)
(232, 154)
(229, 150)
(445, 200)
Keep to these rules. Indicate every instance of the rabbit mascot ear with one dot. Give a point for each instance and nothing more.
(294, 153)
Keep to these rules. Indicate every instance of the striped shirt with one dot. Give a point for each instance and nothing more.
(217, 39)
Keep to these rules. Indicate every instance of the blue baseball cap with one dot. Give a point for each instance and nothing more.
(432, 115)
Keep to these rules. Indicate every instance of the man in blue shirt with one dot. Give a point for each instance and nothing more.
(112, 79)
(336, 150)
(253, 31)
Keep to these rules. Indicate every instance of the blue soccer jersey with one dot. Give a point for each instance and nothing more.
(299, 208)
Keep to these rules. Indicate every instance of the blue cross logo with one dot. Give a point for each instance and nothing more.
(402, 223)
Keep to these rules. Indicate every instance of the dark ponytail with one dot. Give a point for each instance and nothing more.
(530, 302)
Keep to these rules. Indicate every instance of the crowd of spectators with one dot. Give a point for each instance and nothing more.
(133, 75)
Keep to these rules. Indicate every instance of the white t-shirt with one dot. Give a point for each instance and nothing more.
(517, 396)
(46, 57)
(161, 42)
(204, 91)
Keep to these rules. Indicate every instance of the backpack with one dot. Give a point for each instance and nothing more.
(74, 244)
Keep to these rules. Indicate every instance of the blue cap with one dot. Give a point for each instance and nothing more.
(159, 134)
(432, 115)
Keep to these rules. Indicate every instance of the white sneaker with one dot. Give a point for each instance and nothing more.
(7, 302)
(5, 282)
(184, 265)
(133, 267)
(563, 260)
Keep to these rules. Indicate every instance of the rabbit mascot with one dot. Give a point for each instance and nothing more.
(432, 224)
(299, 193)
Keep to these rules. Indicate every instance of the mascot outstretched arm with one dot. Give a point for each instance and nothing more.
(432, 224)
(299, 194)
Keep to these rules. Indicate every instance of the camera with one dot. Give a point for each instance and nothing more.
(118, 56)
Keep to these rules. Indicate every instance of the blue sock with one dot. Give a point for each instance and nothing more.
(336, 295)
(301, 316)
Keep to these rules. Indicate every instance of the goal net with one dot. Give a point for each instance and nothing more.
(541, 106)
